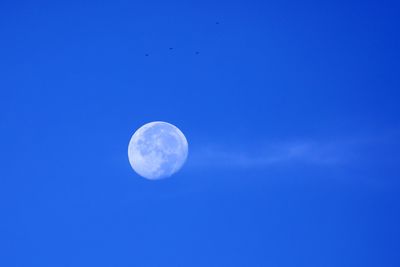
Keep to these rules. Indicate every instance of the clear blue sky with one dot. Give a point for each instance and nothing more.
(291, 111)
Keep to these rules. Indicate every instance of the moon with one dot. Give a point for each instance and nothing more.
(157, 150)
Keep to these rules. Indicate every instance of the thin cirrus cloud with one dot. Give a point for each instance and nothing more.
(266, 155)
(336, 152)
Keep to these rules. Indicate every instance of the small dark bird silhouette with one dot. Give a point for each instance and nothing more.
(146, 55)
(170, 48)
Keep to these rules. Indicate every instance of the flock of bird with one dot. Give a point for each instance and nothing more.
(171, 48)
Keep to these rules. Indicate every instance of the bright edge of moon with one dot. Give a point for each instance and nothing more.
(157, 150)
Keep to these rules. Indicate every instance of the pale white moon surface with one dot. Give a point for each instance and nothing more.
(157, 150)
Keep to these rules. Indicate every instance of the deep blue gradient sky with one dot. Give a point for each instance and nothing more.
(291, 111)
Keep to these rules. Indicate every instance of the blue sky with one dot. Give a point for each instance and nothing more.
(290, 110)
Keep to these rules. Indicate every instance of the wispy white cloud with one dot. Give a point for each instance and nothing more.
(337, 151)
(266, 155)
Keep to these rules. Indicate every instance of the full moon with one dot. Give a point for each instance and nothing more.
(157, 150)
